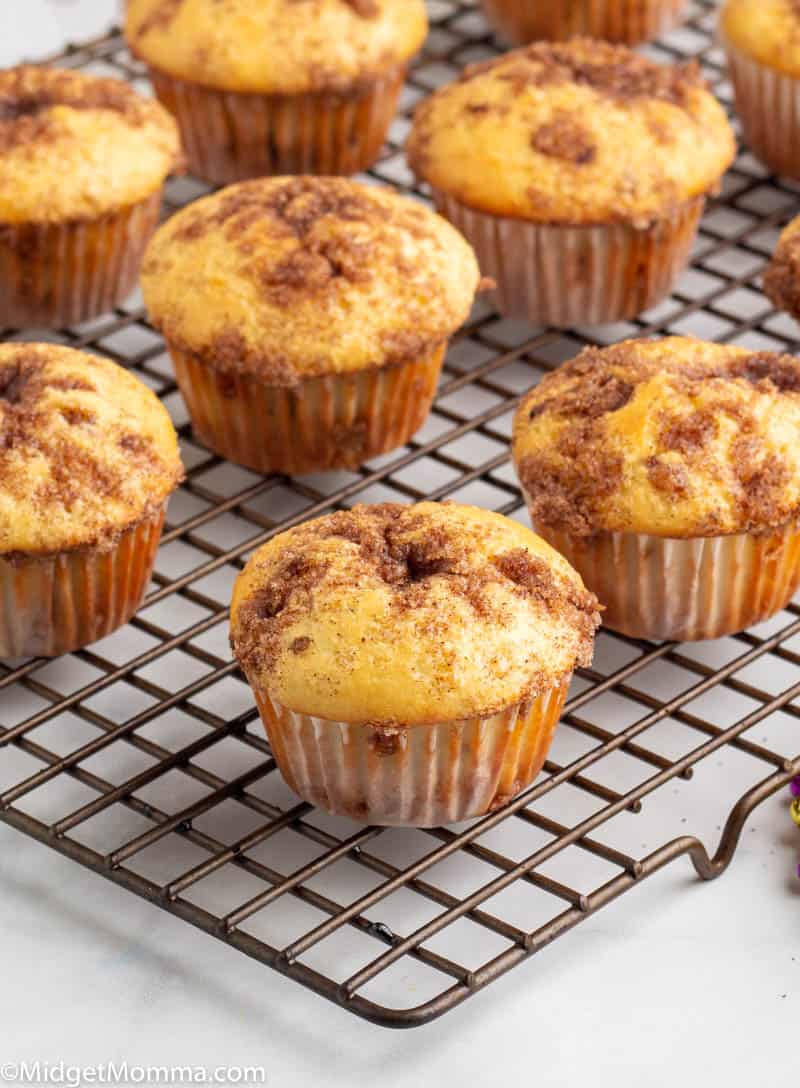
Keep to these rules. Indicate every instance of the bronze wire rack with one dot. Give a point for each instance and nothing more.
(141, 757)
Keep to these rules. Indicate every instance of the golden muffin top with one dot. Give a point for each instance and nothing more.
(398, 614)
(86, 450)
(276, 46)
(74, 146)
(293, 277)
(573, 132)
(767, 30)
(672, 437)
(782, 275)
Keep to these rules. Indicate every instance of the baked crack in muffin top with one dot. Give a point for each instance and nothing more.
(73, 146)
(86, 450)
(289, 278)
(573, 132)
(409, 614)
(674, 437)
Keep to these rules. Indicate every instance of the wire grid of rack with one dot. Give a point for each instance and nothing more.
(142, 758)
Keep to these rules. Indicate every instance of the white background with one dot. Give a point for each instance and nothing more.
(677, 982)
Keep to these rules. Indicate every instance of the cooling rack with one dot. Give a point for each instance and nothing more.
(142, 758)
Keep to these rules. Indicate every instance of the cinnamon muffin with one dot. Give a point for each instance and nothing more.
(88, 459)
(628, 21)
(668, 473)
(275, 86)
(410, 662)
(307, 317)
(578, 170)
(782, 274)
(762, 43)
(82, 168)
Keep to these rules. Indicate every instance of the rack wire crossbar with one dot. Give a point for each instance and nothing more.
(141, 757)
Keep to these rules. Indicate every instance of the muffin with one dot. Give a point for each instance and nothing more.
(276, 86)
(668, 474)
(578, 171)
(781, 279)
(410, 663)
(762, 43)
(307, 317)
(628, 21)
(88, 459)
(82, 167)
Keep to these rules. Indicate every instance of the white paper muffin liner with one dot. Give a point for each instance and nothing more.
(417, 776)
(328, 422)
(768, 105)
(56, 274)
(56, 604)
(229, 137)
(552, 274)
(629, 21)
(665, 588)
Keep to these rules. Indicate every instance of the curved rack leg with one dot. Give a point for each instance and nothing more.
(709, 868)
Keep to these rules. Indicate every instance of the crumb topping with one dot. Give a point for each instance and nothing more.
(440, 592)
(674, 437)
(580, 131)
(277, 46)
(612, 70)
(565, 138)
(73, 146)
(163, 12)
(365, 9)
(85, 450)
(782, 275)
(291, 277)
(160, 17)
(29, 93)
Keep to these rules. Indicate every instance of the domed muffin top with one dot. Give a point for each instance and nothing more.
(768, 31)
(86, 450)
(276, 46)
(782, 274)
(398, 614)
(292, 277)
(673, 437)
(74, 146)
(573, 132)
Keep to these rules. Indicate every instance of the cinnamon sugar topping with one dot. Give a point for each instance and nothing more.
(28, 92)
(425, 570)
(72, 459)
(564, 138)
(612, 70)
(366, 9)
(782, 275)
(160, 18)
(675, 437)
(280, 276)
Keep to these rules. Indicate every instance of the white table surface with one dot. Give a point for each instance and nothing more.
(679, 981)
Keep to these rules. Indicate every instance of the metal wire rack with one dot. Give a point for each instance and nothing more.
(142, 759)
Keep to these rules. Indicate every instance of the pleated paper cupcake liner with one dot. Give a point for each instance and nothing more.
(629, 21)
(768, 106)
(229, 137)
(665, 588)
(415, 776)
(53, 605)
(56, 274)
(552, 274)
(328, 422)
